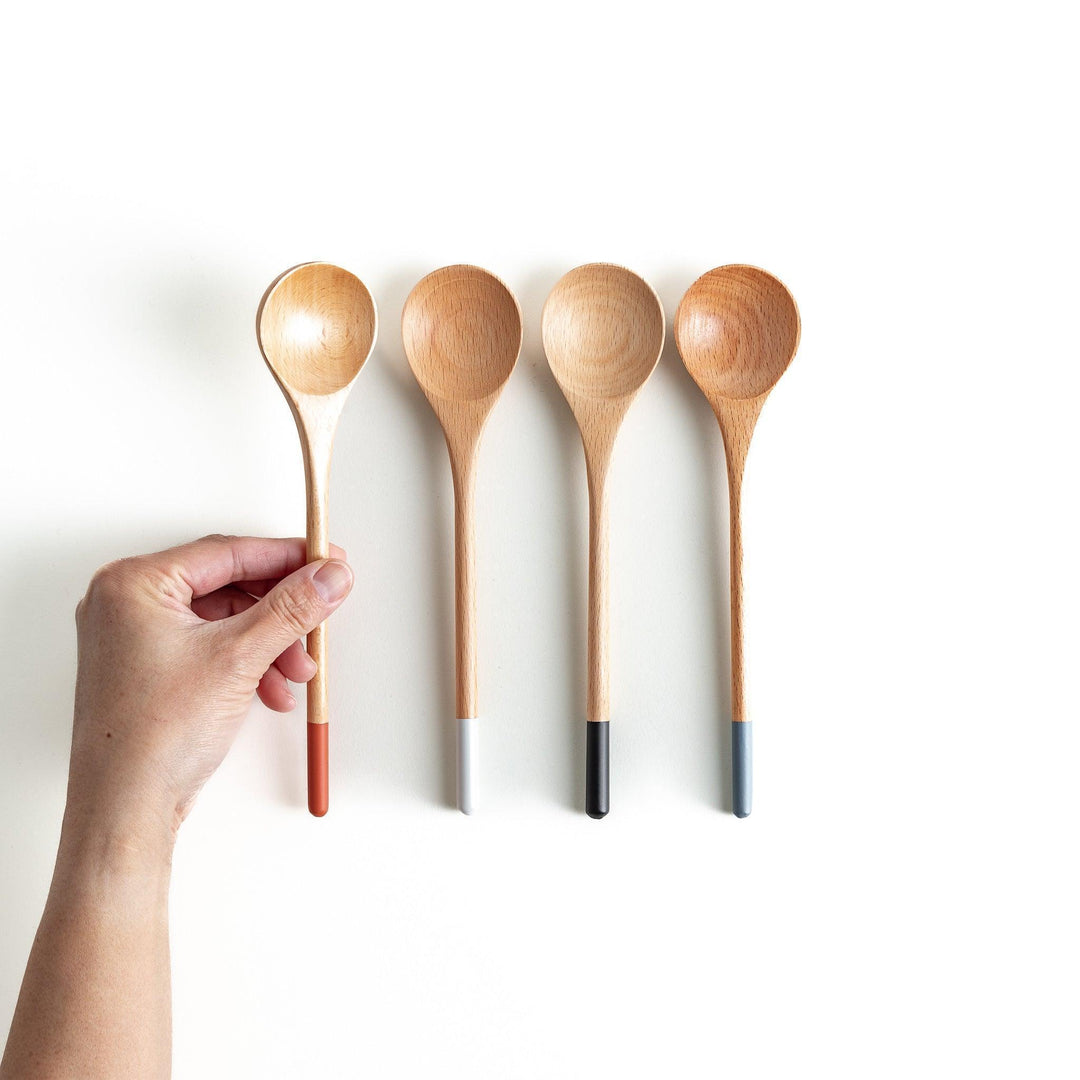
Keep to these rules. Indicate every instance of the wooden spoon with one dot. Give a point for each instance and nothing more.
(316, 327)
(603, 330)
(461, 328)
(737, 329)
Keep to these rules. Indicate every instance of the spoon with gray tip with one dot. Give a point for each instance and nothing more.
(737, 330)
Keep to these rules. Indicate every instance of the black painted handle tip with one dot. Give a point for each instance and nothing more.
(597, 792)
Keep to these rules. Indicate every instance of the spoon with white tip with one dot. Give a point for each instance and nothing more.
(461, 328)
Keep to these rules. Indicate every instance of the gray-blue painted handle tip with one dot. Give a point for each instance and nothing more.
(742, 773)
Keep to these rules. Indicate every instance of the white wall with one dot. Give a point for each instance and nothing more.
(901, 902)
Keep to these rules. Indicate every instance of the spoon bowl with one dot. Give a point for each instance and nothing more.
(316, 326)
(737, 329)
(461, 328)
(603, 330)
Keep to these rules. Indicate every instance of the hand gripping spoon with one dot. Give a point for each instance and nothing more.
(603, 330)
(316, 326)
(461, 328)
(737, 329)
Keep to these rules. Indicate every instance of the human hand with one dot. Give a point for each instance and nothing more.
(172, 648)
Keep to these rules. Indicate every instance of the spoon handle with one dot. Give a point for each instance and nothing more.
(737, 419)
(318, 729)
(598, 704)
(317, 467)
(741, 731)
(465, 627)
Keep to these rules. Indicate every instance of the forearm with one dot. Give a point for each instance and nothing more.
(95, 1000)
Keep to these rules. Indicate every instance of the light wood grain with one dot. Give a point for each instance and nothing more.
(461, 328)
(737, 329)
(603, 331)
(316, 327)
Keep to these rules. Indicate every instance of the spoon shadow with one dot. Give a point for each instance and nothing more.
(438, 561)
(712, 470)
(573, 560)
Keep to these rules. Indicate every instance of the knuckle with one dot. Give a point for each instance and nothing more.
(262, 565)
(294, 609)
(226, 540)
(109, 583)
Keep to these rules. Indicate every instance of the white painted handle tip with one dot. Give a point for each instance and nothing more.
(467, 729)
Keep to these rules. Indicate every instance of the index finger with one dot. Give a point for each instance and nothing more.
(214, 561)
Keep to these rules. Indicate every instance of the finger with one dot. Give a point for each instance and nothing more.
(261, 588)
(291, 609)
(205, 565)
(274, 692)
(221, 604)
(258, 588)
(295, 664)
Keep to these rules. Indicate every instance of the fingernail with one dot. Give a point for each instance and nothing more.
(332, 580)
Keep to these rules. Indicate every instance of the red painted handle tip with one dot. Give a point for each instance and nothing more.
(318, 768)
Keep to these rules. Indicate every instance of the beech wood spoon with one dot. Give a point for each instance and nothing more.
(316, 327)
(461, 328)
(603, 330)
(737, 329)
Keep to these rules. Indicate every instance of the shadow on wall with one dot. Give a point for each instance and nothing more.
(670, 378)
(574, 542)
(390, 385)
(436, 571)
(671, 373)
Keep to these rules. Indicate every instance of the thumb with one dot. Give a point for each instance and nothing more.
(291, 609)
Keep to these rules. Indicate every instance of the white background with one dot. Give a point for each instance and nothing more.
(902, 901)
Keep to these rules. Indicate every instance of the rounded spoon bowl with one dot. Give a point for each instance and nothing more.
(461, 328)
(316, 326)
(737, 329)
(603, 330)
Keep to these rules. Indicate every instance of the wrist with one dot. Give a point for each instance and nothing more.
(116, 841)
